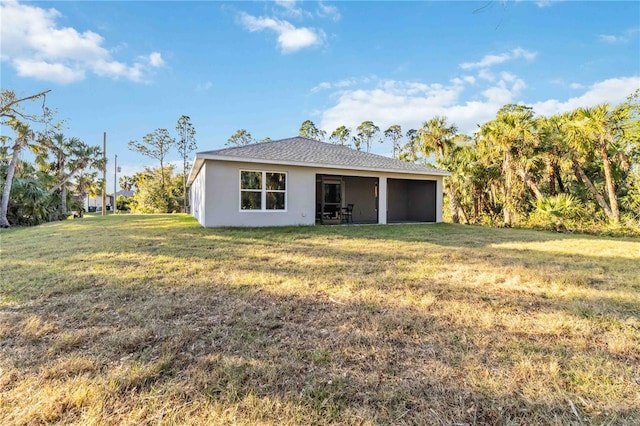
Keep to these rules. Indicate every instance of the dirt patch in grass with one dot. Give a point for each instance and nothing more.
(152, 319)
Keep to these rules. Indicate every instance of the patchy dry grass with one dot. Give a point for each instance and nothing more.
(154, 320)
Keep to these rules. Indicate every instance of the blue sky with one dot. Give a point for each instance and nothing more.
(128, 68)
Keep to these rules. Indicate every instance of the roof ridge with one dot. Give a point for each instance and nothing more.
(261, 143)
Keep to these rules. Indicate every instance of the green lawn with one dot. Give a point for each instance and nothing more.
(155, 320)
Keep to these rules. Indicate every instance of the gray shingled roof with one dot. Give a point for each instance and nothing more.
(300, 150)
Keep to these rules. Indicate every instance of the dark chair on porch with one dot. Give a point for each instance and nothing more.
(346, 213)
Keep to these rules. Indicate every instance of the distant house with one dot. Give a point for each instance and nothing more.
(92, 204)
(127, 193)
(299, 181)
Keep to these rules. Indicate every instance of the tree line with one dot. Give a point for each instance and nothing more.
(579, 169)
(576, 169)
(57, 180)
(157, 190)
(64, 170)
(362, 139)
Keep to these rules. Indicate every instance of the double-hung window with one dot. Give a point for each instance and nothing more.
(261, 190)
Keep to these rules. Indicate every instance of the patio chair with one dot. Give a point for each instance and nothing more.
(347, 214)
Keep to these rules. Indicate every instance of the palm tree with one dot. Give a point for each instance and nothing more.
(24, 135)
(460, 198)
(86, 184)
(552, 135)
(512, 129)
(31, 203)
(80, 156)
(126, 183)
(594, 130)
(557, 208)
(529, 162)
(437, 136)
(482, 164)
(11, 114)
(60, 147)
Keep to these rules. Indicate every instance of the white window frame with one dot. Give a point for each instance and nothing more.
(263, 191)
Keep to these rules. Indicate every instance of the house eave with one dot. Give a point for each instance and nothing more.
(195, 169)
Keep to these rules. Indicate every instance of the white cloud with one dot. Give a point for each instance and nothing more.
(411, 103)
(501, 94)
(204, 86)
(610, 38)
(341, 84)
(545, 3)
(408, 104)
(613, 90)
(507, 76)
(469, 79)
(322, 86)
(628, 35)
(155, 60)
(562, 83)
(57, 73)
(348, 82)
(485, 74)
(290, 8)
(287, 4)
(326, 11)
(466, 100)
(38, 47)
(290, 38)
(490, 60)
(518, 85)
(115, 69)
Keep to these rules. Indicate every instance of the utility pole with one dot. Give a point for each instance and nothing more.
(104, 175)
(115, 179)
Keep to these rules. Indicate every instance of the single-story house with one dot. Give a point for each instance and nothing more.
(300, 181)
(127, 193)
(93, 204)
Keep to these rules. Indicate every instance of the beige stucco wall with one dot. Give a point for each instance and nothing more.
(223, 196)
(218, 182)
